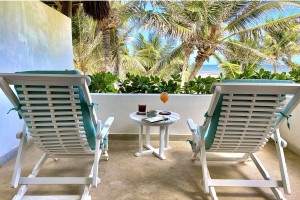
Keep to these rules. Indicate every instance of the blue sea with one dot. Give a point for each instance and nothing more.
(215, 70)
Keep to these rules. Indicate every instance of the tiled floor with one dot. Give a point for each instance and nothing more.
(127, 177)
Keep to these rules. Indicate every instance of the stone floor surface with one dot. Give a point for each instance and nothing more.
(126, 177)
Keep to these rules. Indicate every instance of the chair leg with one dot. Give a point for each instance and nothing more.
(20, 157)
(104, 154)
(205, 172)
(266, 175)
(96, 163)
(35, 171)
(282, 163)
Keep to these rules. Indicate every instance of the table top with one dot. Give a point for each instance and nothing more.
(174, 117)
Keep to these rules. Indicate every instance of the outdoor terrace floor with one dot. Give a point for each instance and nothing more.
(125, 176)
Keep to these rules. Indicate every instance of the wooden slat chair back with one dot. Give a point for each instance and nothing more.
(59, 116)
(246, 122)
(53, 116)
(241, 118)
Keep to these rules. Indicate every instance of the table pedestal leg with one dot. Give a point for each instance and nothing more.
(167, 147)
(140, 142)
(161, 154)
(147, 135)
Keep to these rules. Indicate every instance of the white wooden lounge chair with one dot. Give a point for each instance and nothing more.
(59, 116)
(242, 116)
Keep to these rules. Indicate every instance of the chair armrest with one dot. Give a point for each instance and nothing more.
(104, 131)
(192, 125)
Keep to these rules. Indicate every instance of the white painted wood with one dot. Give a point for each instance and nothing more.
(19, 159)
(245, 183)
(205, 172)
(147, 143)
(164, 134)
(166, 141)
(61, 197)
(161, 141)
(282, 164)
(44, 79)
(56, 180)
(49, 129)
(249, 116)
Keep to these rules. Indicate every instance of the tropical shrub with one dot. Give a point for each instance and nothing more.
(295, 74)
(152, 84)
(103, 83)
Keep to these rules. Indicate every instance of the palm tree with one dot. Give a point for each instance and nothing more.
(155, 56)
(210, 24)
(121, 13)
(86, 39)
(282, 42)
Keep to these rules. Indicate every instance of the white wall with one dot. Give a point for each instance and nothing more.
(33, 36)
(121, 105)
(292, 136)
(188, 106)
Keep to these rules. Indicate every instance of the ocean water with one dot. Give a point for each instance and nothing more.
(215, 70)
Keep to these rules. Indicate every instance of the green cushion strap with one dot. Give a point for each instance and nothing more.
(287, 119)
(16, 109)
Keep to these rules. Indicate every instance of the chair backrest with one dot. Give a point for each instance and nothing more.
(56, 107)
(245, 113)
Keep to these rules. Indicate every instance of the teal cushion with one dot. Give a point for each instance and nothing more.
(212, 129)
(88, 125)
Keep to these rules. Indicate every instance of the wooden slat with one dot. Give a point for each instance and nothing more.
(241, 136)
(49, 139)
(66, 102)
(255, 109)
(245, 124)
(226, 97)
(244, 103)
(54, 118)
(274, 119)
(249, 114)
(56, 129)
(48, 113)
(238, 128)
(62, 107)
(48, 95)
(56, 180)
(56, 124)
(55, 89)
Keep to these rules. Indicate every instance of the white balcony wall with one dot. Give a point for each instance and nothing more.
(33, 36)
(121, 105)
(188, 106)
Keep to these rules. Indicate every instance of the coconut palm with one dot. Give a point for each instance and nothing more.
(211, 24)
(156, 56)
(86, 39)
(121, 13)
(282, 42)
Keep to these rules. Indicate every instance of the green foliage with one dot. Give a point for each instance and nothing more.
(295, 74)
(199, 85)
(103, 83)
(152, 84)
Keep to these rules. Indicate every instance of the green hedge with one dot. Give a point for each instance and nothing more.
(105, 82)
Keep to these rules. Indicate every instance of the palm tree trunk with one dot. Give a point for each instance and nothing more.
(117, 64)
(187, 54)
(106, 45)
(274, 68)
(199, 62)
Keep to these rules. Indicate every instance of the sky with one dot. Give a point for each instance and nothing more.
(213, 61)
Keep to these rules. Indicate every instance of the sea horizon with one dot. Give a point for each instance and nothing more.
(214, 69)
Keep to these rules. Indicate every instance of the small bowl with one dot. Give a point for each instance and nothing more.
(152, 113)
